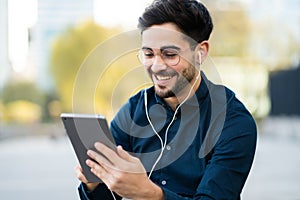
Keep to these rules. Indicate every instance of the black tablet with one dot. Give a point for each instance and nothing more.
(83, 131)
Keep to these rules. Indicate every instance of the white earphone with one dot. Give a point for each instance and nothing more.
(200, 62)
(164, 143)
(200, 57)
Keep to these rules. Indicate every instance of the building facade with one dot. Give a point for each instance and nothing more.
(54, 17)
(4, 61)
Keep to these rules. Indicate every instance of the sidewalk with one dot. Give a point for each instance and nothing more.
(276, 170)
(275, 174)
(35, 168)
(40, 167)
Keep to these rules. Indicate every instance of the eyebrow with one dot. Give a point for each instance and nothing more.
(163, 47)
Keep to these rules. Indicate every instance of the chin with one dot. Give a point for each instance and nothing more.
(163, 92)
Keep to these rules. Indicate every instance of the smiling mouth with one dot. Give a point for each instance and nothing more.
(163, 78)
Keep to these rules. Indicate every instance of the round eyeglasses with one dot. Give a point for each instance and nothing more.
(170, 56)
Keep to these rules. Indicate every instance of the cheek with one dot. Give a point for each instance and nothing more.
(181, 68)
(178, 70)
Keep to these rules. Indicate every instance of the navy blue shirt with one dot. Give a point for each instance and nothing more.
(210, 143)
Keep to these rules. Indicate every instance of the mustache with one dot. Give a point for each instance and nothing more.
(164, 73)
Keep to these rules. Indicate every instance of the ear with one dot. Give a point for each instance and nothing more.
(201, 49)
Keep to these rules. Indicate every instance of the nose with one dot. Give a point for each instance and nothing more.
(158, 64)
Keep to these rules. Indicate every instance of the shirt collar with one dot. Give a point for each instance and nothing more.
(201, 93)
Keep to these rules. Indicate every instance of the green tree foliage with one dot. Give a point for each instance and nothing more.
(26, 91)
(95, 69)
(69, 51)
(22, 102)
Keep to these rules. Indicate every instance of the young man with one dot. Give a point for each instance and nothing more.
(183, 138)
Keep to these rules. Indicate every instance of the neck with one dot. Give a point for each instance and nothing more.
(184, 95)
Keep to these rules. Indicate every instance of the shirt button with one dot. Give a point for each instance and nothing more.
(164, 182)
(168, 148)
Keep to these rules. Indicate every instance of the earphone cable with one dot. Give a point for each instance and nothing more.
(164, 144)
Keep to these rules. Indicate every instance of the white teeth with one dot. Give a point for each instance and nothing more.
(161, 78)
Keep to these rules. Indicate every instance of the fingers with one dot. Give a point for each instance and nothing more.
(100, 159)
(95, 168)
(112, 161)
(100, 166)
(101, 172)
(80, 175)
(108, 153)
(114, 157)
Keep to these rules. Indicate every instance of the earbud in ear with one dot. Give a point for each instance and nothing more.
(200, 62)
(200, 57)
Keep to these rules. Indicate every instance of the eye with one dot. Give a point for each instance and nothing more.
(170, 54)
(148, 54)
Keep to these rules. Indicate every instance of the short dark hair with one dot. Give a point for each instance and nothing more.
(191, 17)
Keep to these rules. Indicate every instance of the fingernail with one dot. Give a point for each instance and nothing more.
(87, 162)
(89, 152)
(120, 146)
(97, 144)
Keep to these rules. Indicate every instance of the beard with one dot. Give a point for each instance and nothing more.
(182, 82)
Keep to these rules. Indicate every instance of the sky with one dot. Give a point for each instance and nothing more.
(119, 12)
(23, 15)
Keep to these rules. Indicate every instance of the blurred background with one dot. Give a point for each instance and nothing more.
(255, 48)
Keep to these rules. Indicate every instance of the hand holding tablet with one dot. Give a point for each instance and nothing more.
(84, 130)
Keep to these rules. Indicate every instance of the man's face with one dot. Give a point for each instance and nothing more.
(162, 46)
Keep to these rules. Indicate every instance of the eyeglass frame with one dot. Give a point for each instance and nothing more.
(173, 49)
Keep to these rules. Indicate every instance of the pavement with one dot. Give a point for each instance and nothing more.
(42, 166)
(35, 168)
